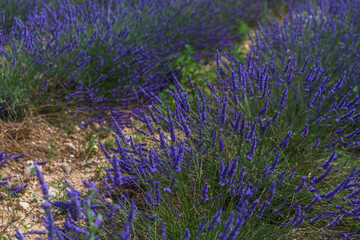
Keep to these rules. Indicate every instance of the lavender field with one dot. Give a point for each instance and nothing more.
(169, 119)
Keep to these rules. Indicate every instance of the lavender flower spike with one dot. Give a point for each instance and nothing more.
(205, 193)
(334, 222)
(215, 221)
(125, 233)
(306, 130)
(18, 235)
(187, 234)
(301, 185)
(221, 144)
(43, 185)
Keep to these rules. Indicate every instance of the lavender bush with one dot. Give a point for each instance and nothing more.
(104, 53)
(16, 8)
(327, 32)
(252, 152)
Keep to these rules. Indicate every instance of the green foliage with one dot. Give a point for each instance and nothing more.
(18, 85)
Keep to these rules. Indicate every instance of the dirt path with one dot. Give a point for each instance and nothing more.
(66, 148)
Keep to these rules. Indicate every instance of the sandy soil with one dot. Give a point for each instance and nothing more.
(43, 141)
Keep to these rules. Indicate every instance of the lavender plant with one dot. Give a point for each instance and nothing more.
(224, 165)
(325, 31)
(104, 53)
(16, 8)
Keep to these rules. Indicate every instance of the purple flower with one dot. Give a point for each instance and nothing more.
(190, 82)
(323, 175)
(283, 99)
(285, 141)
(162, 140)
(98, 222)
(261, 210)
(281, 176)
(271, 192)
(301, 185)
(251, 151)
(118, 131)
(331, 158)
(276, 115)
(215, 220)
(179, 156)
(305, 131)
(221, 144)
(355, 117)
(201, 226)
(125, 233)
(292, 174)
(166, 190)
(287, 65)
(354, 133)
(163, 230)
(276, 160)
(172, 128)
(43, 185)
(186, 234)
(346, 115)
(76, 209)
(18, 235)
(316, 143)
(233, 167)
(265, 108)
(240, 220)
(334, 222)
(185, 126)
(228, 224)
(204, 195)
(49, 220)
(117, 171)
(317, 198)
(37, 232)
(338, 83)
(300, 221)
(223, 110)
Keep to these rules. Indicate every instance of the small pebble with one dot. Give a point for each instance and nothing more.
(52, 191)
(96, 125)
(70, 145)
(66, 168)
(23, 206)
(29, 168)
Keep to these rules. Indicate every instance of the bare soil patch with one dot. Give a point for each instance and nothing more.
(61, 146)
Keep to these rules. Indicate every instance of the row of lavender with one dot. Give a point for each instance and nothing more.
(330, 34)
(103, 53)
(268, 151)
